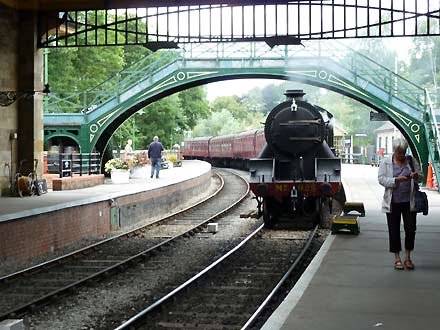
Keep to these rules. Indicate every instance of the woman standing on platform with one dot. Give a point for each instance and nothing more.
(129, 150)
(398, 200)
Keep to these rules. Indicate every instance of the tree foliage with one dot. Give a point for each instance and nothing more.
(220, 122)
(424, 66)
(229, 103)
(194, 105)
(167, 118)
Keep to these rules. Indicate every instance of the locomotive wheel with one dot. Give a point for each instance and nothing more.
(320, 211)
(323, 214)
(268, 217)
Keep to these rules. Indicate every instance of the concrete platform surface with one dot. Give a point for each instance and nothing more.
(16, 207)
(352, 284)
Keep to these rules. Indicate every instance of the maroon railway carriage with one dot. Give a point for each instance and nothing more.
(197, 148)
(221, 150)
(248, 144)
(233, 150)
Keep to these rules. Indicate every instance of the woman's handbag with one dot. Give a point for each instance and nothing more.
(421, 199)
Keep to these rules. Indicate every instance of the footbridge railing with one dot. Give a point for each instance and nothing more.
(144, 73)
(86, 101)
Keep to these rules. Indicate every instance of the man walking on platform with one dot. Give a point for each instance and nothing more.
(155, 155)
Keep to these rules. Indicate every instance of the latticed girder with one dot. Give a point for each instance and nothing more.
(276, 23)
(326, 64)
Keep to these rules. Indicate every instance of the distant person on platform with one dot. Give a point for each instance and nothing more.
(128, 149)
(155, 155)
(176, 149)
(399, 180)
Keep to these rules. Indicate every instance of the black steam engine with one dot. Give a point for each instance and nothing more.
(297, 172)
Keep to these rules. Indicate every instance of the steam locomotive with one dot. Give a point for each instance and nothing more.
(297, 171)
(293, 170)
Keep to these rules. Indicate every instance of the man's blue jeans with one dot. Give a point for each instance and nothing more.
(155, 165)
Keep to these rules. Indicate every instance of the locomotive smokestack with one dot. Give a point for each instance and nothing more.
(294, 95)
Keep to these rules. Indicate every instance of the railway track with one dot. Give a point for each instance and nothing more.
(232, 292)
(24, 290)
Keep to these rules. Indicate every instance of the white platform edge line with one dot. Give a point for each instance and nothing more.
(279, 317)
(348, 195)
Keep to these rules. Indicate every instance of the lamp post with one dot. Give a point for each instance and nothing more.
(133, 132)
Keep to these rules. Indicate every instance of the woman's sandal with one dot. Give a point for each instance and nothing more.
(409, 265)
(398, 265)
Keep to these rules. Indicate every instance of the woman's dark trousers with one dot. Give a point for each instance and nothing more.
(401, 210)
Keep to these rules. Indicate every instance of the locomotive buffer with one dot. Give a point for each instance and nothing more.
(348, 221)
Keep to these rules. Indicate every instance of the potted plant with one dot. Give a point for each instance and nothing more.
(173, 159)
(138, 168)
(119, 170)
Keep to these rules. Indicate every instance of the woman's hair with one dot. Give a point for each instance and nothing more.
(399, 143)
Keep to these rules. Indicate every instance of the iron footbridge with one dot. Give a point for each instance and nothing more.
(91, 117)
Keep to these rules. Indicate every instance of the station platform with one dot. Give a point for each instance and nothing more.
(32, 226)
(352, 285)
(16, 207)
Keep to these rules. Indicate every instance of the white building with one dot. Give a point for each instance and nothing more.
(338, 138)
(385, 135)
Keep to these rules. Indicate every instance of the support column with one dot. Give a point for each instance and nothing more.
(29, 78)
(8, 82)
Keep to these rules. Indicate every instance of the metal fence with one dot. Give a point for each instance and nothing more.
(67, 164)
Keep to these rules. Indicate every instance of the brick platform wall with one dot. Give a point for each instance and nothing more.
(30, 237)
(145, 206)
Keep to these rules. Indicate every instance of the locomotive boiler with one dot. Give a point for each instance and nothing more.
(296, 173)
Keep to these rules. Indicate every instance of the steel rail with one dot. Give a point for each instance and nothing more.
(58, 260)
(281, 282)
(136, 321)
(121, 264)
(138, 317)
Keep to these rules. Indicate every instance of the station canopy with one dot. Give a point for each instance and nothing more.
(54, 5)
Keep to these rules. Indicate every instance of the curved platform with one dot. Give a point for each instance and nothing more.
(32, 226)
(352, 285)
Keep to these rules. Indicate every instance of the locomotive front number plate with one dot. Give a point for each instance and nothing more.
(304, 187)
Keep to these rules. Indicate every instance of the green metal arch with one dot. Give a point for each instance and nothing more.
(63, 134)
(184, 78)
